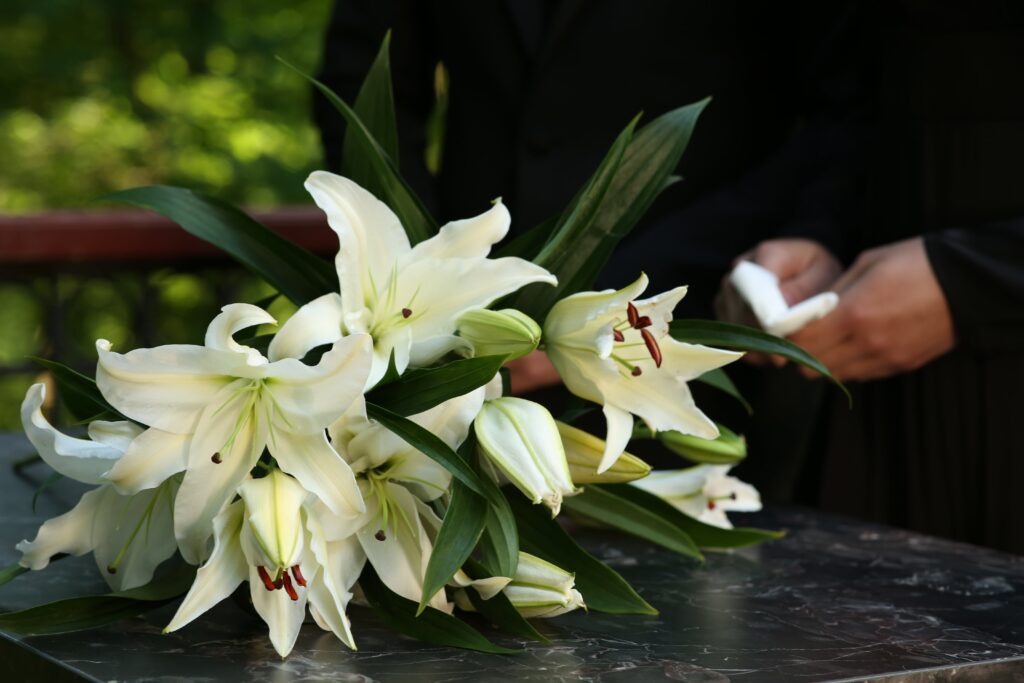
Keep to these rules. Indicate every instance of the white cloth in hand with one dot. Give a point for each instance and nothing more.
(760, 288)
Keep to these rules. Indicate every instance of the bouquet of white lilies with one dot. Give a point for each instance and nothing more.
(368, 448)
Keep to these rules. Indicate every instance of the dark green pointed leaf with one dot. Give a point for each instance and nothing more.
(463, 523)
(499, 544)
(391, 188)
(704, 535)
(77, 614)
(498, 609)
(718, 379)
(293, 271)
(602, 587)
(430, 445)
(79, 392)
(618, 512)
(528, 244)
(573, 237)
(743, 338)
(423, 388)
(375, 106)
(644, 170)
(432, 626)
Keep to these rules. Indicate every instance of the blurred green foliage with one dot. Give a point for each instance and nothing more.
(106, 94)
(101, 95)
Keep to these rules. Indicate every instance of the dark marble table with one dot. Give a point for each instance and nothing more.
(835, 600)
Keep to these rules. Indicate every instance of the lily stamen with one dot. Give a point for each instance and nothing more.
(268, 583)
(652, 346)
(643, 321)
(406, 312)
(619, 337)
(288, 587)
(299, 578)
(632, 314)
(216, 459)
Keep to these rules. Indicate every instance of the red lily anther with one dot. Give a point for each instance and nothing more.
(288, 587)
(652, 346)
(299, 578)
(619, 337)
(632, 314)
(268, 583)
(643, 321)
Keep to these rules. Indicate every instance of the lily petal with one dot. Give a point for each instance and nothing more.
(165, 387)
(401, 558)
(282, 615)
(118, 434)
(314, 324)
(620, 431)
(79, 459)
(226, 445)
(470, 238)
(319, 468)
(341, 563)
(133, 535)
(69, 533)
(309, 398)
(222, 573)
(151, 458)
(235, 318)
(371, 238)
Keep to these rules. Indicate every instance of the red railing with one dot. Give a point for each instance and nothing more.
(60, 238)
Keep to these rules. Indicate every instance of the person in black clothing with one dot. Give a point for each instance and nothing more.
(930, 326)
(540, 88)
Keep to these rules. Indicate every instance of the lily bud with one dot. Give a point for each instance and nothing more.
(541, 589)
(729, 448)
(507, 332)
(520, 437)
(583, 452)
(273, 509)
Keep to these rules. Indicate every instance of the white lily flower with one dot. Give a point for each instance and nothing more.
(234, 402)
(521, 438)
(397, 529)
(262, 538)
(614, 350)
(704, 492)
(407, 298)
(129, 536)
(540, 589)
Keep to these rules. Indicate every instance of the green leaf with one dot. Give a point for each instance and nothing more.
(499, 544)
(573, 237)
(645, 169)
(79, 392)
(718, 379)
(704, 535)
(499, 609)
(388, 184)
(430, 445)
(422, 389)
(432, 626)
(77, 614)
(743, 338)
(45, 486)
(602, 587)
(11, 572)
(375, 106)
(463, 523)
(293, 271)
(618, 512)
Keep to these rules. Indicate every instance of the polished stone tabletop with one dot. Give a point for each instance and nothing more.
(835, 600)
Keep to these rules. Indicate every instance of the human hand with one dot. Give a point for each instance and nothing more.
(804, 268)
(532, 371)
(892, 316)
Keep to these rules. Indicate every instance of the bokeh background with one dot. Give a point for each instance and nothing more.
(100, 96)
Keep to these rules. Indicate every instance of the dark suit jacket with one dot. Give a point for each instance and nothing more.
(540, 89)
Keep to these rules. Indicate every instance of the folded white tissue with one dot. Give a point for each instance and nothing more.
(760, 288)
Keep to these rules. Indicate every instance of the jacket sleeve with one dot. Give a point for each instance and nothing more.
(981, 272)
(351, 42)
